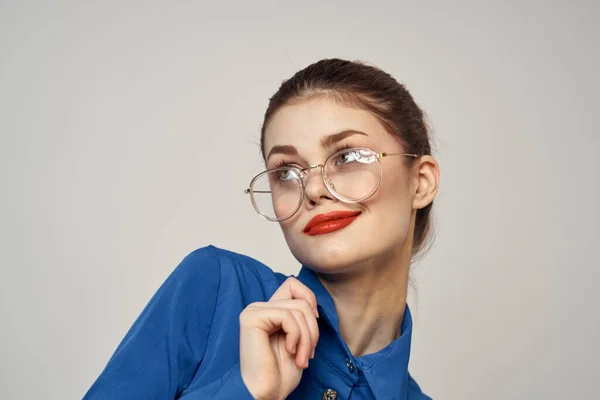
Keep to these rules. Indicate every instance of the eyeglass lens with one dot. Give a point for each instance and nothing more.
(350, 175)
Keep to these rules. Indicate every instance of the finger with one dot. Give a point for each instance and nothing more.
(292, 288)
(309, 329)
(270, 320)
(304, 347)
(301, 305)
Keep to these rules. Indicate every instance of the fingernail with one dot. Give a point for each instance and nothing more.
(316, 312)
(312, 354)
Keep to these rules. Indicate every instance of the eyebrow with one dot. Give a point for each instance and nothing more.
(326, 142)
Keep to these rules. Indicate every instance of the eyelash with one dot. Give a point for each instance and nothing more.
(284, 163)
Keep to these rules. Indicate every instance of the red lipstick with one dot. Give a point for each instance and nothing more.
(330, 222)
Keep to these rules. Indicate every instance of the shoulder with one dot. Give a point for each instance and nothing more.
(214, 264)
(211, 259)
(210, 279)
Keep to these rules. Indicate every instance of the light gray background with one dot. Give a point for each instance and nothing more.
(128, 131)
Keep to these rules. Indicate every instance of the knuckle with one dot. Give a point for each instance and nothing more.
(291, 279)
(254, 305)
(247, 314)
(245, 317)
(293, 333)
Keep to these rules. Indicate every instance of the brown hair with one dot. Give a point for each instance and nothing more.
(366, 87)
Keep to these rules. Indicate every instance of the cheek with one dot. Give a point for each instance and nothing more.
(294, 240)
(394, 194)
(292, 231)
(390, 208)
(291, 224)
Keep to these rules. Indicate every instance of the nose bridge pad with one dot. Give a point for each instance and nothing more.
(327, 179)
(331, 185)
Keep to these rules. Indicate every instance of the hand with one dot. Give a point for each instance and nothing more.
(277, 338)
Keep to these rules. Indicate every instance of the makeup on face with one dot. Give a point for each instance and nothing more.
(327, 143)
(330, 222)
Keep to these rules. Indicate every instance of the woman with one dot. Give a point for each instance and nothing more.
(350, 179)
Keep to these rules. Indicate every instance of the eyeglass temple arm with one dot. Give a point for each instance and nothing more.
(381, 155)
(247, 191)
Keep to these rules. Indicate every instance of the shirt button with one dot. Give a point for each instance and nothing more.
(349, 364)
(329, 394)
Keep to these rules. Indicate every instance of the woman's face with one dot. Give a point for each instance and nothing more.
(382, 228)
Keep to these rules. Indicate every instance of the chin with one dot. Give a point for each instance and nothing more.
(326, 253)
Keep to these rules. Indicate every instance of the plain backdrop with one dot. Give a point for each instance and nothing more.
(129, 129)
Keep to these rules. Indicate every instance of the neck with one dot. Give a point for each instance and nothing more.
(370, 302)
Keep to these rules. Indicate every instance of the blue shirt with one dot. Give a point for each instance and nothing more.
(185, 343)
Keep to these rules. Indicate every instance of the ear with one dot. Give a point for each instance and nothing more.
(427, 181)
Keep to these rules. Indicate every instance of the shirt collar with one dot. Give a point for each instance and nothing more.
(387, 370)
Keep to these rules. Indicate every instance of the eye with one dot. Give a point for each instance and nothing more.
(284, 174)
(347, 157)
(287, 174)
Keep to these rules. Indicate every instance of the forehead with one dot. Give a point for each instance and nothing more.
(304, 124)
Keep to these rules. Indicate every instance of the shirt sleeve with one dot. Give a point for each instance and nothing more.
(230, 386)
(159, 355)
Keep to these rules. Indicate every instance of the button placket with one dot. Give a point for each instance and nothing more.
(350, 365)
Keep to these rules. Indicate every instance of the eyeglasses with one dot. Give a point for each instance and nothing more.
(350, 175)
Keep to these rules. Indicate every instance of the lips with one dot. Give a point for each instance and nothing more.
(332, 221)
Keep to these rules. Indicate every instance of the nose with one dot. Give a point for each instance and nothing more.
(314, 187)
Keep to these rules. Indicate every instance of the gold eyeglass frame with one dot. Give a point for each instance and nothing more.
(302, 173)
